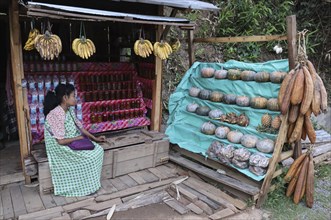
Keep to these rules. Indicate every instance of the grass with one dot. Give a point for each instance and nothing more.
(282, 207)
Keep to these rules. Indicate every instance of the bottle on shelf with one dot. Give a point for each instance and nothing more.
(33, 121)
(63, 79)
(79, 115)
(55, 81)
(33, 108)
(32, 82)
(41, 96)
(41, 119)
(71, 80)
(34, 96)
(79, 104)
(48, 83)
(41, 108)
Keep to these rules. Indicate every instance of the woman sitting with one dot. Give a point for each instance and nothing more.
(74, 172)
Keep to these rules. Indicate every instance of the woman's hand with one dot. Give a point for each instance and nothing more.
(67, 141)
(100, 139)
(80, 137)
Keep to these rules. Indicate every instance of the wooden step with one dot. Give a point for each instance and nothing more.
(212, 174)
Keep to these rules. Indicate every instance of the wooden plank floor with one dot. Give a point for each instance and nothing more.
(17, 199)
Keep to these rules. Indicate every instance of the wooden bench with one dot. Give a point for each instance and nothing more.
(123, 153)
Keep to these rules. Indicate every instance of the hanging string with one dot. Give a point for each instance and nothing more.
(302, 53)
(80, 29)
(42, 27)
(84, 31)
(70, 34)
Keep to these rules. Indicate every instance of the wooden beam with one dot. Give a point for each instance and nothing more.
(285, 155)
(297, 151)
(277, 173)
(18, 75)
(322, 157)
(167, 28)
(216, 165)
(37, 12)
(273, 161)
(240, 39)
(190, 35)
(210, 173)
(157, 87)
(291, 23)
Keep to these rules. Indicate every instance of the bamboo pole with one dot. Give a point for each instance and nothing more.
(281, 138)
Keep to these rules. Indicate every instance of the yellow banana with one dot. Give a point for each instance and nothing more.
(57, 38)
(87, 50)
(74, 45)
(90, 46)
(150, 46)
(135, 47)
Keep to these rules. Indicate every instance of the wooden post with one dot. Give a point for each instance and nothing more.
(157, 88)
(18, 75)
(273, 161)
(281, 138)
(292, 54)
(191, 51)
(291, 39)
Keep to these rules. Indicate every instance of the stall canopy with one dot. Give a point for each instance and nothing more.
(39, 9)
(183, 4)
(63, 11)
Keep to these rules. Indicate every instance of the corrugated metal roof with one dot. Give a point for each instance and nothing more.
(107, 13)
(187, 4)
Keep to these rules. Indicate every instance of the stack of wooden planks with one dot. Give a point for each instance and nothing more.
(149, 186)
(202, 198)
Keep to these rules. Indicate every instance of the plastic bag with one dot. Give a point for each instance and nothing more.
(240, 164)
(214, 149)
(259, 171)
(241, 154)
(258, 159)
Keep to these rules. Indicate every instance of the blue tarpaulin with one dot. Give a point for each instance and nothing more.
(184, 127)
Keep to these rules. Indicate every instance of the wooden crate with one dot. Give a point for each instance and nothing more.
(123, 154)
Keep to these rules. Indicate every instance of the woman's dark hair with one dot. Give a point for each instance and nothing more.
(54, 99)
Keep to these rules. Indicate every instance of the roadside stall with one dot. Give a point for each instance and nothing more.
(112, 56)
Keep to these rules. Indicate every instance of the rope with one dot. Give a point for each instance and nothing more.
(302, 52)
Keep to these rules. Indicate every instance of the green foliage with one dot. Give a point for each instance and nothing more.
(248, 17)
(283, 207)
(323, 171)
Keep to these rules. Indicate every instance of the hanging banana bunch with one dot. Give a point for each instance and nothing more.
(175, 44)
(29, 44)
(143, 48)
(82, 46)
(162, 50)
(48, 45)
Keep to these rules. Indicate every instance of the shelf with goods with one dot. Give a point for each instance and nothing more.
(110, 90)
(146, 78)
(184, 127)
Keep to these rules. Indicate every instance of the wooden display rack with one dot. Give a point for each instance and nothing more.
(233, 181)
